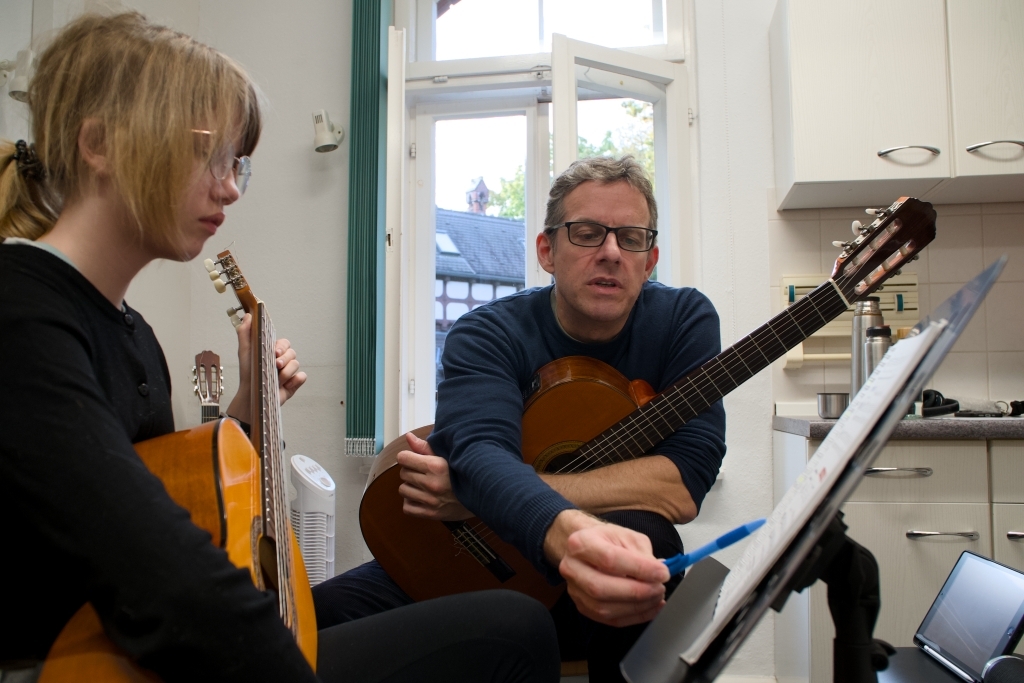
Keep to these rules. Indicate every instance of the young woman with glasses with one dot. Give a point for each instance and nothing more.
(142, 140)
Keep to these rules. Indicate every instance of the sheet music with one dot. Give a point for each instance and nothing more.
(817, 479)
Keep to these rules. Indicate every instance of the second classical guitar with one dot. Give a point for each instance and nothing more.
(581, 414)
(208, 384)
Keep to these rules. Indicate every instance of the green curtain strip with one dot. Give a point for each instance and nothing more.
(367, 146)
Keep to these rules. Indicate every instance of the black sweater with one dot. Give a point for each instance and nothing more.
(83, 518)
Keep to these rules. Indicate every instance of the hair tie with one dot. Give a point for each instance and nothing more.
(27, 160)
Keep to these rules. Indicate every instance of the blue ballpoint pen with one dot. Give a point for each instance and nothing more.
(680, 562)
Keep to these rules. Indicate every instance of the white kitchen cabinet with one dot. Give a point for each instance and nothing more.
(1008, 534)
(919, 485)
(986, 74)
(851, 80)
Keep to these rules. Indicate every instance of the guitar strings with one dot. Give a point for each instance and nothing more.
(272, 463)
(606, 448)
(691, 389)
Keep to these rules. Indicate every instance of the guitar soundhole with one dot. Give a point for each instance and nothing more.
(558, 456)
(562, 463)
(268, 562)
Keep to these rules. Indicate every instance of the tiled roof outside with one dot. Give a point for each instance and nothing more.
(491, 248)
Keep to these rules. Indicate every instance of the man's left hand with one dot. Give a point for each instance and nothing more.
(427, 487)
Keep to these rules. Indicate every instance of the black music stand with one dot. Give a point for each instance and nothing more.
(656, 657)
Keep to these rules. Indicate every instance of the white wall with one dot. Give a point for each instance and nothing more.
(15, 30)
(735, 147)
(289, 233)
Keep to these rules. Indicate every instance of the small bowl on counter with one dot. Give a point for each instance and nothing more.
(831, 406)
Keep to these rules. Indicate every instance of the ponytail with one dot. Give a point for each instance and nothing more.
(28, 208)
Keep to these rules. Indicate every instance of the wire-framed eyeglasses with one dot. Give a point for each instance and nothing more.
(223, 162)
(590, 234)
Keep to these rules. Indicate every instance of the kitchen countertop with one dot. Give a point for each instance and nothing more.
(916, 428)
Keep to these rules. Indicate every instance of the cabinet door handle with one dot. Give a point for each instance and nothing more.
(916, 471)
(886, 152)
(978, 146)
(1015, 535)
(972, 535)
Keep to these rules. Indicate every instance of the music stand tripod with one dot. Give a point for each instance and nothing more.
(851, 573)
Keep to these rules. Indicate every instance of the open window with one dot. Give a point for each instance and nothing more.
(550, 96)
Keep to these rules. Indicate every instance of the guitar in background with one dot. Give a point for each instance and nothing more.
(208, 384)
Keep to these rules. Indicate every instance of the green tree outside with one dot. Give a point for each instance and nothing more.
(636, 138)
(510, 199)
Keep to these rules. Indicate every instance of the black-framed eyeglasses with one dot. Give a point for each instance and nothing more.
(590, 234)
(223, 163)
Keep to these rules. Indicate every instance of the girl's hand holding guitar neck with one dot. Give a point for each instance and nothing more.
(289, 377)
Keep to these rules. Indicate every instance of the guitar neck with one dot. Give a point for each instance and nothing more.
(636, 434)
(268, 439)
(210, 412)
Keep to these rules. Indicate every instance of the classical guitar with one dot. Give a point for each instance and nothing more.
(240, 501)
(208, 384)
(580, 414)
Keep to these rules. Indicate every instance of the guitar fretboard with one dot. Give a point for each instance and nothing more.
(269, 434)
(644, 428)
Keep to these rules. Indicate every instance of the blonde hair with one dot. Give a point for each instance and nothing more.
(147, 88)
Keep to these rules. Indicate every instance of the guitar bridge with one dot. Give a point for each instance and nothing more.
(469, 539)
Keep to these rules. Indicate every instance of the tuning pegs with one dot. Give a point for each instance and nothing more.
(839, 244)
(210, 265)
(220, 285)
(236, 314)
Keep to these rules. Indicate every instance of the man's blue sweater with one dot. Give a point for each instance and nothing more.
(492, 353)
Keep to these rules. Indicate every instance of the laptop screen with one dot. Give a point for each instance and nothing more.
(977, 614)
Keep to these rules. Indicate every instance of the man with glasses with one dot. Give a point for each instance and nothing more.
(603, 530)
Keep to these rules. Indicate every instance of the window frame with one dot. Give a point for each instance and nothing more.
(510, 85)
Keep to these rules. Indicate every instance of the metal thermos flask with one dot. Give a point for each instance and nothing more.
(865, 314)
(877, 342)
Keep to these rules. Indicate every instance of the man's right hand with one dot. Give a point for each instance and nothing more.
(611, 572)
(426, 488)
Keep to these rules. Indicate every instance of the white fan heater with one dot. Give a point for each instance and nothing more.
(313, 517)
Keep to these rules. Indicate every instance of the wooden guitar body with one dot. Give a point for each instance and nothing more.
(214, 473)
(576, 400)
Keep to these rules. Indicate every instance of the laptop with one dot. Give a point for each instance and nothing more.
(978, 615)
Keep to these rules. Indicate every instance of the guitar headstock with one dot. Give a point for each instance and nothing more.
(229, 269)
(881, 248)
(208, 378)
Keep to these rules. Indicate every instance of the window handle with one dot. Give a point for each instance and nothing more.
(974, 148)
(886, 152)
(972, 535)
(916, 471)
